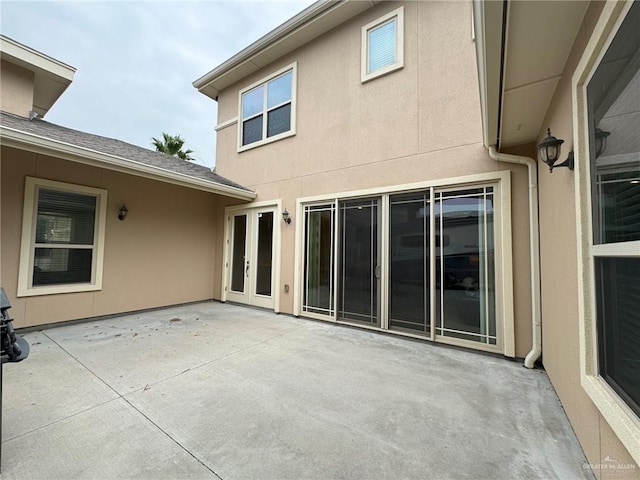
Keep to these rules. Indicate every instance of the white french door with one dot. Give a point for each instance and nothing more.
(250, 268)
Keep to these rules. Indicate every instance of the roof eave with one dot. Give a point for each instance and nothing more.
(51, 76)
(489, 31)
(34, 143)
(324, 15)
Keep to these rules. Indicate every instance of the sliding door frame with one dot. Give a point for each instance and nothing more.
(500, 181)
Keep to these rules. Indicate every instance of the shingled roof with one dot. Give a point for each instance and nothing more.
(118, 152)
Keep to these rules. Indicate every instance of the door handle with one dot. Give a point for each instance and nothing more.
(377, 271)
(247, 270)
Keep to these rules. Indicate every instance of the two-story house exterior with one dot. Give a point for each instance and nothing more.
(392, 196)
(400, 221)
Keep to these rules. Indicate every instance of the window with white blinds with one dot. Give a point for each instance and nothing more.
(63, 237)
(382, 45)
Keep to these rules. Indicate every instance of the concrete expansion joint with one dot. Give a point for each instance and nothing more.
(128, 402)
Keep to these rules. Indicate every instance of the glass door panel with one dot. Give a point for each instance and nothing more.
(251, 257)
(264, 259)
(409, 263)
(238, 253)
(466, 267)
(359, 264)
(319, 255)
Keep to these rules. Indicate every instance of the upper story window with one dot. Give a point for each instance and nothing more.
(382, 45)
(62, 238)
(267, 109)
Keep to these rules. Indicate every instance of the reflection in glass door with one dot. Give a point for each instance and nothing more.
(439, 278)
(359, 261)
(409, 262)
(239, 254)
(319, 256)
(251, 257)
(465, 287)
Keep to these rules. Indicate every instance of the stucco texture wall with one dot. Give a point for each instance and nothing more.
(559, 278)
(167, 251)
(415, 124)
(16, 89)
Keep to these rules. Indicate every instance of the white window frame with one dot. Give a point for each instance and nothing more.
(365, 75)
(293, 68)
(624, 422)
(27, 248)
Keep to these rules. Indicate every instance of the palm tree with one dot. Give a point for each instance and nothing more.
(172, 145)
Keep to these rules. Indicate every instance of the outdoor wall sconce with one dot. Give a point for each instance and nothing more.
(123, 212)
(601, 140)
(286, 217)
(549, 152)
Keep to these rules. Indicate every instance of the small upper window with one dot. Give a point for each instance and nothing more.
(268, 110)
(382, 45)
(63, 238)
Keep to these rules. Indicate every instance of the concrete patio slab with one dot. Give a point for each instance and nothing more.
(223, 391)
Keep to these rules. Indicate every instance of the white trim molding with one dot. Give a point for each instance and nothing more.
(28, 241)
(264, 112)
(20, 140)
(225, 124)
(398, 16)
(505, 319)
(618, 415)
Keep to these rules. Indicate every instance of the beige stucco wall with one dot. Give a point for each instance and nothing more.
(419, 123)
(167, 251)
(16, 89)
(559, 277)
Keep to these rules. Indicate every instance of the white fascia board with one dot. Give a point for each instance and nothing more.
(34, 143)
(34, 60)
(271, 37)
(308, 24)
(488, 29)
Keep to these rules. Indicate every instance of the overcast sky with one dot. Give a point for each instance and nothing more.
(136, 61)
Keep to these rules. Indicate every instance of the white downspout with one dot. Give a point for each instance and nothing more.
(534, 250)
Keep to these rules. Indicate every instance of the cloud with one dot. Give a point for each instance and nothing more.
(136, 60)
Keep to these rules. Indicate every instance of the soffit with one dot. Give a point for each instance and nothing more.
(309, 24)
(51, 77)
(539, 38)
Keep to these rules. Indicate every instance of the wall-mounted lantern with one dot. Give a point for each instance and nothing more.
(285, 217)
(123, 212)
(549, 152)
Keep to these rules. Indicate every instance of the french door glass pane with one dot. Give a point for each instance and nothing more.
(318, 291)
(358, 286)
(466, 272)
(265, 253)
(409, 262)
(238, 254)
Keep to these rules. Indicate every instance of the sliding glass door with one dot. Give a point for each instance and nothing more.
(465, 286)
(319, 257)
(438, 247)
(409, 239)
(359, 261)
